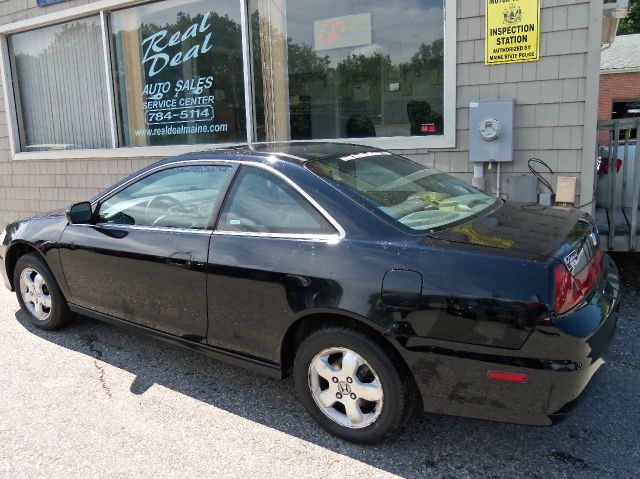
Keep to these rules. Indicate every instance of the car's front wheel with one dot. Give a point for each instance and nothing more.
(39, 294)
(351, 386)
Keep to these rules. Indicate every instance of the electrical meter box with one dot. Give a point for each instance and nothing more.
(491, 130)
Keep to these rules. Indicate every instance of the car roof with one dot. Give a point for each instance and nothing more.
(293, 152)
(298, 153)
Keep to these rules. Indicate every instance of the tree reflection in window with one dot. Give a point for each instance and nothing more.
(393, 86)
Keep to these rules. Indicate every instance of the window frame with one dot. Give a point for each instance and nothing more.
(104, 7)
(96, 203)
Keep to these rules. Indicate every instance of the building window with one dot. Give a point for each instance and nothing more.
(179, 73)
(199, 72)
(60, 87)
(338, 69)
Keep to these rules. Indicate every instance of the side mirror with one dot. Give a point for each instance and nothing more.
(79, 214)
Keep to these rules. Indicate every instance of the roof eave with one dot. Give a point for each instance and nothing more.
(607, 71)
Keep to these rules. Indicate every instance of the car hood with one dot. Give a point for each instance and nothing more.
(525, 230)
(53, 214)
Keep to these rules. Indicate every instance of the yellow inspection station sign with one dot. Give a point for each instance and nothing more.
(513, 31)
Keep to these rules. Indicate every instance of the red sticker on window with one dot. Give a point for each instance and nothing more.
(428, 128)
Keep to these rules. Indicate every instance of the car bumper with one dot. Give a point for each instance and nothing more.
(558, 361)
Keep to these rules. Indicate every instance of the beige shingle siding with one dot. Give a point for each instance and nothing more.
(550, 111)
(550, 94)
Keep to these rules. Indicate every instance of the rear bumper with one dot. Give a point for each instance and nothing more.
(559, 361)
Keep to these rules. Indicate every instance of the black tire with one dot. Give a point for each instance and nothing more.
(399, 393)
(59, 314)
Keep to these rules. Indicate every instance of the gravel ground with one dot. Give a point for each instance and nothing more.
(95, 401)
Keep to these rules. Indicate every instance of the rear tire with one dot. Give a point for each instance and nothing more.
(351, 387)
(39, 294)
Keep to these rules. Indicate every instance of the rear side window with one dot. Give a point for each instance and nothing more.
(260, 202)
(409, 194)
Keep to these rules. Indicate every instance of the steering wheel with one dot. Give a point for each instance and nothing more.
(162, 201)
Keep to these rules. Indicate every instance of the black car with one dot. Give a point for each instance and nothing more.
(380, 284)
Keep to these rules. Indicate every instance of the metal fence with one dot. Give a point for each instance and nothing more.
(618, 182)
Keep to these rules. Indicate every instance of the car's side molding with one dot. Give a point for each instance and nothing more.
(260, 366)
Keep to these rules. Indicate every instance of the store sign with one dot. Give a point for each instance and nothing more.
(513, 31)
(342, 32)
(175, 105)
(157, 46)
(44, 3)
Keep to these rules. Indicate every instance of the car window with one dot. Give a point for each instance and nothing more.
(262, 203)
(403, 191)
(180, 197)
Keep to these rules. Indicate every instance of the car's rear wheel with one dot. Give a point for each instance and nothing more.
(39, 294)
(350, 385)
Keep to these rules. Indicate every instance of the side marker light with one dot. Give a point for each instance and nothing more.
(509, 377)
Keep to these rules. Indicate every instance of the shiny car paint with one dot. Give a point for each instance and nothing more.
(456, 303)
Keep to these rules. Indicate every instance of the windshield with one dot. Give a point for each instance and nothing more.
(411, 194)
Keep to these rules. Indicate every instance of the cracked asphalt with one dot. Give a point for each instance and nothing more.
(96, 401)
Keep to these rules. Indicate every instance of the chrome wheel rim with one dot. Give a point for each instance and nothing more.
(345, 388)
(35, 294)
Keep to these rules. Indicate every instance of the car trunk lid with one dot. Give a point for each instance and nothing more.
(565, 237)
(531, 231)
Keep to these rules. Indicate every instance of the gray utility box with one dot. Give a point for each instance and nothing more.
(491, 130)
(523, 188)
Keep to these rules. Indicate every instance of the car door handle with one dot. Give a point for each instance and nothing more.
(181, 259)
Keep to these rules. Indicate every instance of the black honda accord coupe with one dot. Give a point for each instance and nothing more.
(380, 284)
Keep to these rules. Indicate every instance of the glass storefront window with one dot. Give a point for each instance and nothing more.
(57, 107)
(178, 70)
(357, 69)
(204, 72)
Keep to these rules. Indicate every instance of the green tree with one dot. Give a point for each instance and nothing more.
(430, 55)
(631, 24)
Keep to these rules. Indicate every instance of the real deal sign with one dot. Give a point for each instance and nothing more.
(513, 31)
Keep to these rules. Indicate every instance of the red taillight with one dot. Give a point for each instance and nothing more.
(509, 377)
(588, 277)
(569, 290)
(566, 290)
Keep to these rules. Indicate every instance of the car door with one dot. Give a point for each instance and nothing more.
(143, 260)
(267, 262)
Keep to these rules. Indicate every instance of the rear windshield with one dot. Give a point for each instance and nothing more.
(416, 196)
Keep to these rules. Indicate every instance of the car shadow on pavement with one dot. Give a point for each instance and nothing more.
(430, 445)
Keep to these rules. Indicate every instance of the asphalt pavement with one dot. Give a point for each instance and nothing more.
(96, 401)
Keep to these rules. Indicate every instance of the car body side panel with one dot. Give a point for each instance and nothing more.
(477, 298)
(453, 378)
(41, 233)
(258, 287)
(128, 273)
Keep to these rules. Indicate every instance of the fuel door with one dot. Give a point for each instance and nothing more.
(402, 289)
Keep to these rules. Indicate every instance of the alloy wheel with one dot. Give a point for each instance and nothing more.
(345, 388)
(35, 294)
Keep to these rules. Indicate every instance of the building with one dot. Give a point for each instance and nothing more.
(94, 90)
(620, 79)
